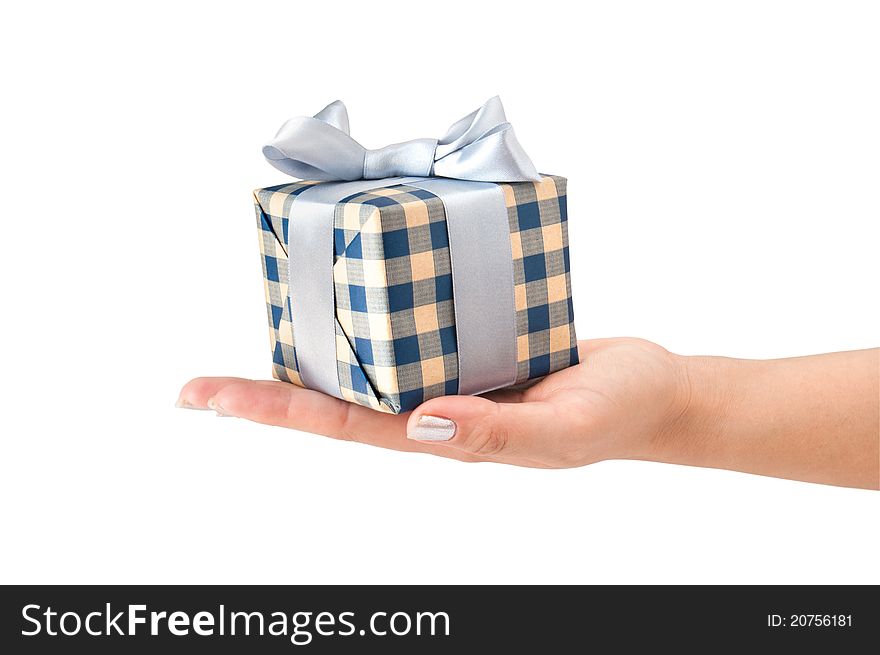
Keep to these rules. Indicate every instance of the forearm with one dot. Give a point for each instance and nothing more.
(808, 418)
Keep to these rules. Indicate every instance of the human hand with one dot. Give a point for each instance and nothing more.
(619, 402)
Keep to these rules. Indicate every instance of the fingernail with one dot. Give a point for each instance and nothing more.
(432, 428)
(185, 404)
(212, 404)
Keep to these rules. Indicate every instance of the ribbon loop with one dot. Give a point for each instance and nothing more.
(481, 146)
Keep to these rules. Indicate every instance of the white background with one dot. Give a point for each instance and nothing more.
(723, 197)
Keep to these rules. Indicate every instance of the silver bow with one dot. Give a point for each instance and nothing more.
(481, 146)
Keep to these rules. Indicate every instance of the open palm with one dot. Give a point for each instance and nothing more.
(616, 403)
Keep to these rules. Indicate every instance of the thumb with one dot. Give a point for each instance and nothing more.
(482, 427)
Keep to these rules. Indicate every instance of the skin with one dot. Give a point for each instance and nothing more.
(811, 418)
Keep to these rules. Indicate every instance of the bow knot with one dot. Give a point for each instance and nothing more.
(481, 146)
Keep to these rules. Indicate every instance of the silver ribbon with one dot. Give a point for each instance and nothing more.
(481, 146)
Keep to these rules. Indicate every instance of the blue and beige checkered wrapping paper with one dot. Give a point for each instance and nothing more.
(395, 324)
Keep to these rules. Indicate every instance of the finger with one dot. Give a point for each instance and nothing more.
(289, 406)
(196, 393)
(483, 428)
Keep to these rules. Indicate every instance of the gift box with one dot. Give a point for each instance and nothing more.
(418, 300)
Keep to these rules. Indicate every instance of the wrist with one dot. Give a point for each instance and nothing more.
(705, 391)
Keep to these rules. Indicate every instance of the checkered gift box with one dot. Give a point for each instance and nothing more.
(395, 325)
